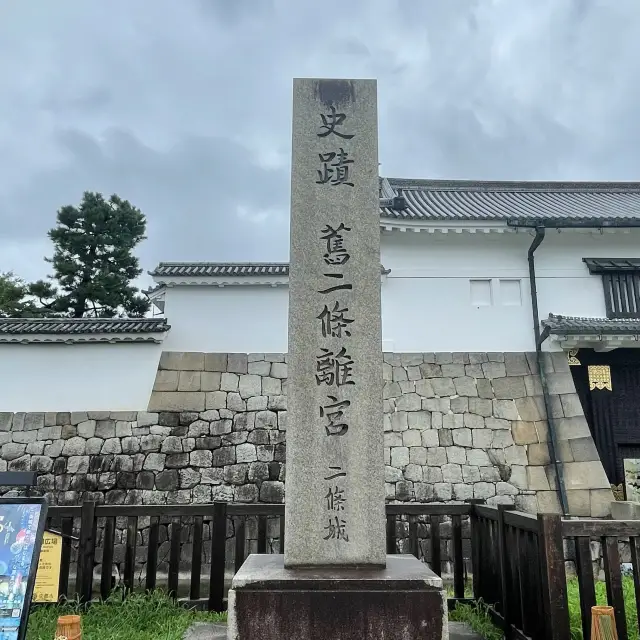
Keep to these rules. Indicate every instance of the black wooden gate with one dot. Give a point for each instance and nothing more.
(613, 415)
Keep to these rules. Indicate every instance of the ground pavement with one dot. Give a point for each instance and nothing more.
(208, 631)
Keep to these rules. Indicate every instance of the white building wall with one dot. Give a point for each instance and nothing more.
(453, 292)
(77, 377)
(235, 319)
(445, 292)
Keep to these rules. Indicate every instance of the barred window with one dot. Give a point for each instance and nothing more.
(621, 283)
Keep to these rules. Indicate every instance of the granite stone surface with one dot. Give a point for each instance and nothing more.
(405, 599)
(335, 483)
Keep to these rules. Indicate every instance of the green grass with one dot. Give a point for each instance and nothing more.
(156, 617)
(140, 617)
(601, 599)
(477, 617)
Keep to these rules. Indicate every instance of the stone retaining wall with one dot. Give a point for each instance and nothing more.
(457, 426)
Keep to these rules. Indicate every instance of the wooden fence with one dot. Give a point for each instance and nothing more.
(516, 561)
(519, 570)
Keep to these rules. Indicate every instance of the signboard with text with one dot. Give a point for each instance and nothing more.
(22, 523)
(48, 575)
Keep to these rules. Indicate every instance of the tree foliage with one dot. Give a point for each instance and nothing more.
(93, 262)
(14, 301)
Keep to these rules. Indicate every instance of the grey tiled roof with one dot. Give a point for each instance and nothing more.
(602, 265)
(77, 326)
(221, 269)
(462, 200)
(569, 325)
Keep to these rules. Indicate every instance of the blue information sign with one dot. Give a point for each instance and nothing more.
(22, 522)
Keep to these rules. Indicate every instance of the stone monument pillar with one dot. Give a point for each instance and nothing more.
(335, 451)
(334, 580)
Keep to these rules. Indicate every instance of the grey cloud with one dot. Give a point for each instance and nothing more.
(184, 108)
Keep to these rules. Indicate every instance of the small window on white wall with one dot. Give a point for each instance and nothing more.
(480, 293)
(510, 293)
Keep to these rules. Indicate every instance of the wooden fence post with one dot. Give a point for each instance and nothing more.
(503, 554)
(553, 577)
(218, 547)
(475, 547)
(86, 551)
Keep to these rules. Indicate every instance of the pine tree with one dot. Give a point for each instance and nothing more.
(14, 302)
(93, 261)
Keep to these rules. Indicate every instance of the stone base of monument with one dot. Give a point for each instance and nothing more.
(404, 600)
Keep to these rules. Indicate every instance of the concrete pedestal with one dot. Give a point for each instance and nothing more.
(404, 601)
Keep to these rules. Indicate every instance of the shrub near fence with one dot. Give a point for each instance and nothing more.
(517, 560)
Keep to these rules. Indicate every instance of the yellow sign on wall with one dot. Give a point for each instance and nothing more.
(48, 575)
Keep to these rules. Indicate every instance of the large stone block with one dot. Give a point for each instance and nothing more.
(182, 361)
(560, 383)
(584, 449)
(530, 409)
(516, 364)
(600, 500)
(177, 401)
(494, 370)
(585, 475)
(210, 381)
(570, 428)
(533, 385)
(250, 385)
(6, 420)
(538, 454)
(481, 407)
(537, 479)
(405, 600)
(524, 432)
(505, 410)
(237, 362)
(215, 362)
(548, 502)
(33, 421)
(443, 387)
(509, 388)
(189, 381)
(571, 405)
(579, 503)
(166, 381)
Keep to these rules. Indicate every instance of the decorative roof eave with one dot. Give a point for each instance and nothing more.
(597, 342)
(600, 334)
(82, 330)
(520, 204)
(233, 282)
(446, 226)
(212, 281)
(168, 281)
(83, 338)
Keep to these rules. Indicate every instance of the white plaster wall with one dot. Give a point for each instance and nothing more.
(95, 377)
(426, 299)
(427, 303)
(235, 319)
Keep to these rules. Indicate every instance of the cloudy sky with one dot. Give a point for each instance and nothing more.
(183, 107)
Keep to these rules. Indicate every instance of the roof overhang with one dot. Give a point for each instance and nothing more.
(215, 281)
(597, 342)
(167, 281)
(97, 338)
(599, 334)
(446, 226)
(61, 330)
